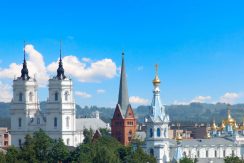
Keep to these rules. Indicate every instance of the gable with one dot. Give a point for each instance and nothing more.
(118, 113)
(129, 112)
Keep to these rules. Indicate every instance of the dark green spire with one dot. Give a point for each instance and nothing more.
(123, 100)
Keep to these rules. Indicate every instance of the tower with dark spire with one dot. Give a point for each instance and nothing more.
(124, 121)
(24, 71)
(60, 70)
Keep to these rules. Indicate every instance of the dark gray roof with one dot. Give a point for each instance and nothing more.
(123, 100)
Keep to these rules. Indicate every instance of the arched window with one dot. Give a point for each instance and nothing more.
(38, 121)
(56, 96)
(20, 142)
(20, 96)
(215, 153)
(158, 132)
(129, 135)
(55, 122)
(151, 152)
(30, 96)
(66, 95)
(20, 122)
(224, 153)
(151, 132)
(233, 153)
(67, 122)
(67, 141)
(198, 154)
(206, 153)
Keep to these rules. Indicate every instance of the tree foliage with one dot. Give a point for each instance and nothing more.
(233, 159)
(41, 148)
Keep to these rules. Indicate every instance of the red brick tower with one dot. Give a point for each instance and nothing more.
(124, 121)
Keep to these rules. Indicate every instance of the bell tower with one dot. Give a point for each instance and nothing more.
(124, 121)
(60, 110)
(157, 125)
(24, 104)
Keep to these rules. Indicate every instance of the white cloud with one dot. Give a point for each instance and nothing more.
(6, 92)
(35, 64)
(229, 97)
(140, 68)
(83, 94)
(180, 103)
(138, 100)
(202, 99)
(86, 59)
(198, 99)
(94, 72)
(101, 91)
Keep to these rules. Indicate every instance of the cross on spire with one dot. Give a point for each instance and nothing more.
(24, 71)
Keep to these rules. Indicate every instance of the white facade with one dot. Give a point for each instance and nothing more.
(59, 119)
(167, 150)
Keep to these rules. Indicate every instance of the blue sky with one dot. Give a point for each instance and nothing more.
(199, 45)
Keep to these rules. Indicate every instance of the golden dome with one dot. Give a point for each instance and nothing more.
(214, 126)
(178, 136)
(156, 79)
(222, 126)
(229, 120)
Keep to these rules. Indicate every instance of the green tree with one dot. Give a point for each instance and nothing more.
(88, 134)
(140, 156)
(2, 157)
(12, 155)
(188, 160)
(27, 151)
(42, 145)
(105, 155)
(59, 151)
(233, 159)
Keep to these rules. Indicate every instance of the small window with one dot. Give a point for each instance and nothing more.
(67, 141)
(56, 96)
(198, 153)
(66, 95)
(55, 122)
(151, 152)
(224, 153)
(233, 153)
(20, 96)
(20, 122)
(151, 132)
(215, 153)
(207, 153)
(30, 96)
(38, 121)
(67, 122)
(158, 132)
(20, 142)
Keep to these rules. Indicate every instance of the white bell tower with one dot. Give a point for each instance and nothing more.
(24, 105)
(157, 126)
(60, 111)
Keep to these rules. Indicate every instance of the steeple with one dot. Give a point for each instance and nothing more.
(24, 71)
(157, 110)
(60, 70)
(123, 100)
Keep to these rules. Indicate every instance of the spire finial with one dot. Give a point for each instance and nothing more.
(156, 80)
(60, 51)
(156, 69)
(24, 71)
(24, 51)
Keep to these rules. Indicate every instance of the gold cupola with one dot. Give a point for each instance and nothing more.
(214, 126)
(230, 121)
(156, 79)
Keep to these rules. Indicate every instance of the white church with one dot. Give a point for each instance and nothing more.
(223, 141)
(59, 119)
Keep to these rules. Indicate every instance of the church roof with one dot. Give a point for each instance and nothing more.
(93, 123)
(123, 99)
